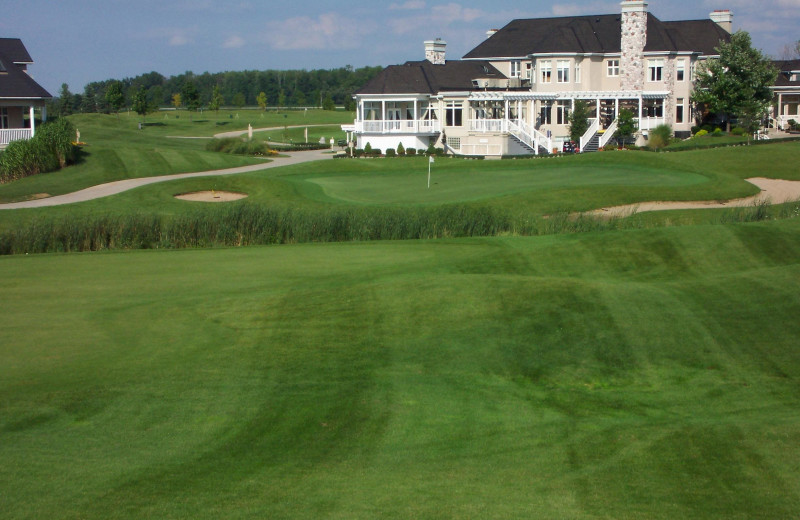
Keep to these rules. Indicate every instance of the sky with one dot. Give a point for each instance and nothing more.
(77, 42)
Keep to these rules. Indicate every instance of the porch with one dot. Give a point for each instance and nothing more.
(14, 126)
(397, 115)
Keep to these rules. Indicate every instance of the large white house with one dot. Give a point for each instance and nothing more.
(20, 95)
(513, 93)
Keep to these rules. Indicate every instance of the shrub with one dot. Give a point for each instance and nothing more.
(411, 151)
(701, 133)
(431, 150)
(50, 149)
(376, 152)
(237, 146)
(717, 132)
(390, 152)
(708, 128)
(401, 150)
(696, 129)
(368, 149)
(738, 131)
(660, 136)
(359, 152)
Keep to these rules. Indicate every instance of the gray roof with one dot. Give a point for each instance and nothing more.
(423, 77)
(15, 83)
(595, 34)
(14, 49)
(786, 67)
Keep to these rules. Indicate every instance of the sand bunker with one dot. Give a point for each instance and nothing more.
(211, 196)
(774, 191)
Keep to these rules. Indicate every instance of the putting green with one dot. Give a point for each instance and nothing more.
(456, 185)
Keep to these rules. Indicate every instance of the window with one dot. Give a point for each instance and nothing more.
(3, 118)
(577, 72)
(613, 68)
(529, 71)
(515, 68)
(454, 143)
(545, 115)
(680, 70)
(546, 71)
(655, 70)
(453, 113)
(679, 111)
(562, 112)
(563, 71)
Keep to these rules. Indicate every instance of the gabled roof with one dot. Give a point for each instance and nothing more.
(595, 34)
(15, 83)
(15, 50)
(423, 77)
(787, 69)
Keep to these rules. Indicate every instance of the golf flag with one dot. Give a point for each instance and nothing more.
(430, 159)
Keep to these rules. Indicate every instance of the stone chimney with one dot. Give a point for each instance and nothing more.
(434, 51)
(634, 38)
(723, 18)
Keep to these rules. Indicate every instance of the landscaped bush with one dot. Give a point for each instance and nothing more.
(701, 133)
(368, 149)
(237, 146)
(390, 152)
(717, 132)
(411, 151)
(660, 136)
(738, 131)
(401, 150)
(50, 149)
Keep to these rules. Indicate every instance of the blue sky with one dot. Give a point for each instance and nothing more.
(77, 42)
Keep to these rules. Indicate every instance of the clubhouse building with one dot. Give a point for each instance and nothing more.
(513, 93)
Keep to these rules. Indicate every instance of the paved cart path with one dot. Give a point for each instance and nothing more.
(112, 188)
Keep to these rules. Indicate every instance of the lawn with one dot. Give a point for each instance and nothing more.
(116, 148)
(634, 374)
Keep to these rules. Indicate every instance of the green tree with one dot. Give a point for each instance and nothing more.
(328, 103)
(262, 100)
(738, 81)
(281, 98)
(239, 99)
(176, 100)
(626, 126)
(140, 104)
(115, 97)
(578, 120)
(190, 96)
(65, 100)
(216, 99)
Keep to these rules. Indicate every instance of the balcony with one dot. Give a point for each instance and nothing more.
(488, 125)
(401, 126)
(14, 134)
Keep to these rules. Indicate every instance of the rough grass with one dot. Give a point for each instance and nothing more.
(636, 374)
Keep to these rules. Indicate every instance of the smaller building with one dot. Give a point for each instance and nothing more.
(20, 95)
(787, 94)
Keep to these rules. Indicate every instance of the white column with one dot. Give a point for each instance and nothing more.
(640, 111)
(616, 108)
(33, 122)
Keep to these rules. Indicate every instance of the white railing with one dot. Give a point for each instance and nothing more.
(488, 125)
(14, 134)
(544, 141)
(593, 128)
(648, 123)
(608, 135)
(783, 121)
(402, 126)
(520, 133)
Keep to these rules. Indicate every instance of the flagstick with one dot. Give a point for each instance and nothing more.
(430, 161)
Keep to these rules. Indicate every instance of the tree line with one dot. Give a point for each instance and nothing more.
(279, 88)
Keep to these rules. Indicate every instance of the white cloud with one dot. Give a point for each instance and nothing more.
(234, 42)
(453, 12)
(409, 5)
(178, 40)
(329, 31)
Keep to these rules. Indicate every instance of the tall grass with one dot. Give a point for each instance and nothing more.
(50, 149)
(250, 224)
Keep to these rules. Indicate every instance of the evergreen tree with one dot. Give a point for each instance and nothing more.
(115, 97)
(579, 120)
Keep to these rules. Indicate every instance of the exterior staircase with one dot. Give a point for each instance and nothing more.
(517, 146)
(592, 145)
